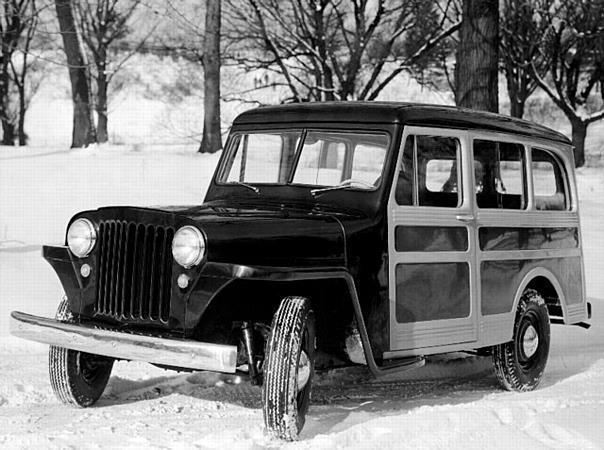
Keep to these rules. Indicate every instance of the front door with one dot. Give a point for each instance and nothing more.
(432, 228)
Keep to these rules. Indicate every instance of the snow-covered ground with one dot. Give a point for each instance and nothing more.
(451, 403)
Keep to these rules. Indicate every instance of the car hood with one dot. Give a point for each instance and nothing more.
(250, 235)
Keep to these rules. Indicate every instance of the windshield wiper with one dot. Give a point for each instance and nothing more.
(346, 184)
(249, 186)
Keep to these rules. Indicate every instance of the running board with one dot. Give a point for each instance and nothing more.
(399, 365)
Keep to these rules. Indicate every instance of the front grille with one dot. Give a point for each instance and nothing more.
(134, 271)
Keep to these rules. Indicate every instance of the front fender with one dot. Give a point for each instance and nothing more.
(223, 274)
(67, 268)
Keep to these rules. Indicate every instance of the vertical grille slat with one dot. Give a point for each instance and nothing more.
(164, 268)
(108, 273)
(107, 239)
(153, 276)
(101, 263)
(128, 268)
(134, 273)
(144, 280)
(119, 273)
(113, 260)
(116, 270)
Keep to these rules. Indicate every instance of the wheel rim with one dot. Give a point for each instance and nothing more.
(91, 367)
(303, 370)
(528, 342)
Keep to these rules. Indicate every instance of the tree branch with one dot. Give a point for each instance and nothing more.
(431, 43)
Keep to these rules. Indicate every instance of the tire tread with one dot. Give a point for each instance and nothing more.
(281, 417)
(504, 355)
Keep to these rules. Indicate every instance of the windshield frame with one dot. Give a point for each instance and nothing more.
(227, 160)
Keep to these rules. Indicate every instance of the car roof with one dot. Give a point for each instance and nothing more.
(396, 112)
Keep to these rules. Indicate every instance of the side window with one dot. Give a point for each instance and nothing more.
(499, 175)
(429, 173)
(438, 179)
(549, 182)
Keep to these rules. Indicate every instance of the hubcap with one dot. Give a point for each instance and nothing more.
(530, 341)
(303, 370)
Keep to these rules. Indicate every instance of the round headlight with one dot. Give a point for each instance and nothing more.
(188, 246)
(81, 237)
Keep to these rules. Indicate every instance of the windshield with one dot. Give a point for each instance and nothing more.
(306, 157)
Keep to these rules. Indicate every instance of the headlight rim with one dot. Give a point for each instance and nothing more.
(202, 246)
(93, 236)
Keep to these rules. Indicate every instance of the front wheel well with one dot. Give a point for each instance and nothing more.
(258, 300)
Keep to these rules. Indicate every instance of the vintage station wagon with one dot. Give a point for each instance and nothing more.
(331, 234)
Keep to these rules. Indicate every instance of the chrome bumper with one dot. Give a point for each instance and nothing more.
(170, 352)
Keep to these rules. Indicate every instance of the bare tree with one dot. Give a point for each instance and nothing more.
(519, 49)
(330, 49)
(476, 69)
(102, 24)
(573, 42)
(211, 140)
(18, 22)
(198, 40)
(21, 66)
(84, 132)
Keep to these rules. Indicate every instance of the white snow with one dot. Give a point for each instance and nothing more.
(451, 403)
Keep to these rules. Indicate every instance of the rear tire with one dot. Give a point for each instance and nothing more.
(520, 363)
(77, 378)
(289, 368)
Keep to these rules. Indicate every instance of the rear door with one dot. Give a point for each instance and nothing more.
(432, 230)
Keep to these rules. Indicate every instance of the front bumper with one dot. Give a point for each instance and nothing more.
(170, 352)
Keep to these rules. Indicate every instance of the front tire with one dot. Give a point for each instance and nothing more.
(289, 368)
(77, 378)
(520, 363)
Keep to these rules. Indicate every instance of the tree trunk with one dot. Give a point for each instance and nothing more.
(83, 126)
(477, 56)
(517, 97)
(8, 132)
(517, 108)
(211, 140)
(579, 132)
(21, 124)
(326, 77)
(102, 134)
(7, 126)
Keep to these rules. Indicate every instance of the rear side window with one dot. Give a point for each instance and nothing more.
(549, 182)
(499, 175)
(429, 174)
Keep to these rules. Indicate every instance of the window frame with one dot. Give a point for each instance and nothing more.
(569, 204)
(459, 161)
(235, 138)
(559, 151)
(525, 164)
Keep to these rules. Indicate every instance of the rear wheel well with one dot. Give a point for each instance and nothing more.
(547, 290)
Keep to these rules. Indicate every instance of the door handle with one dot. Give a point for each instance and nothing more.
(465, 218)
